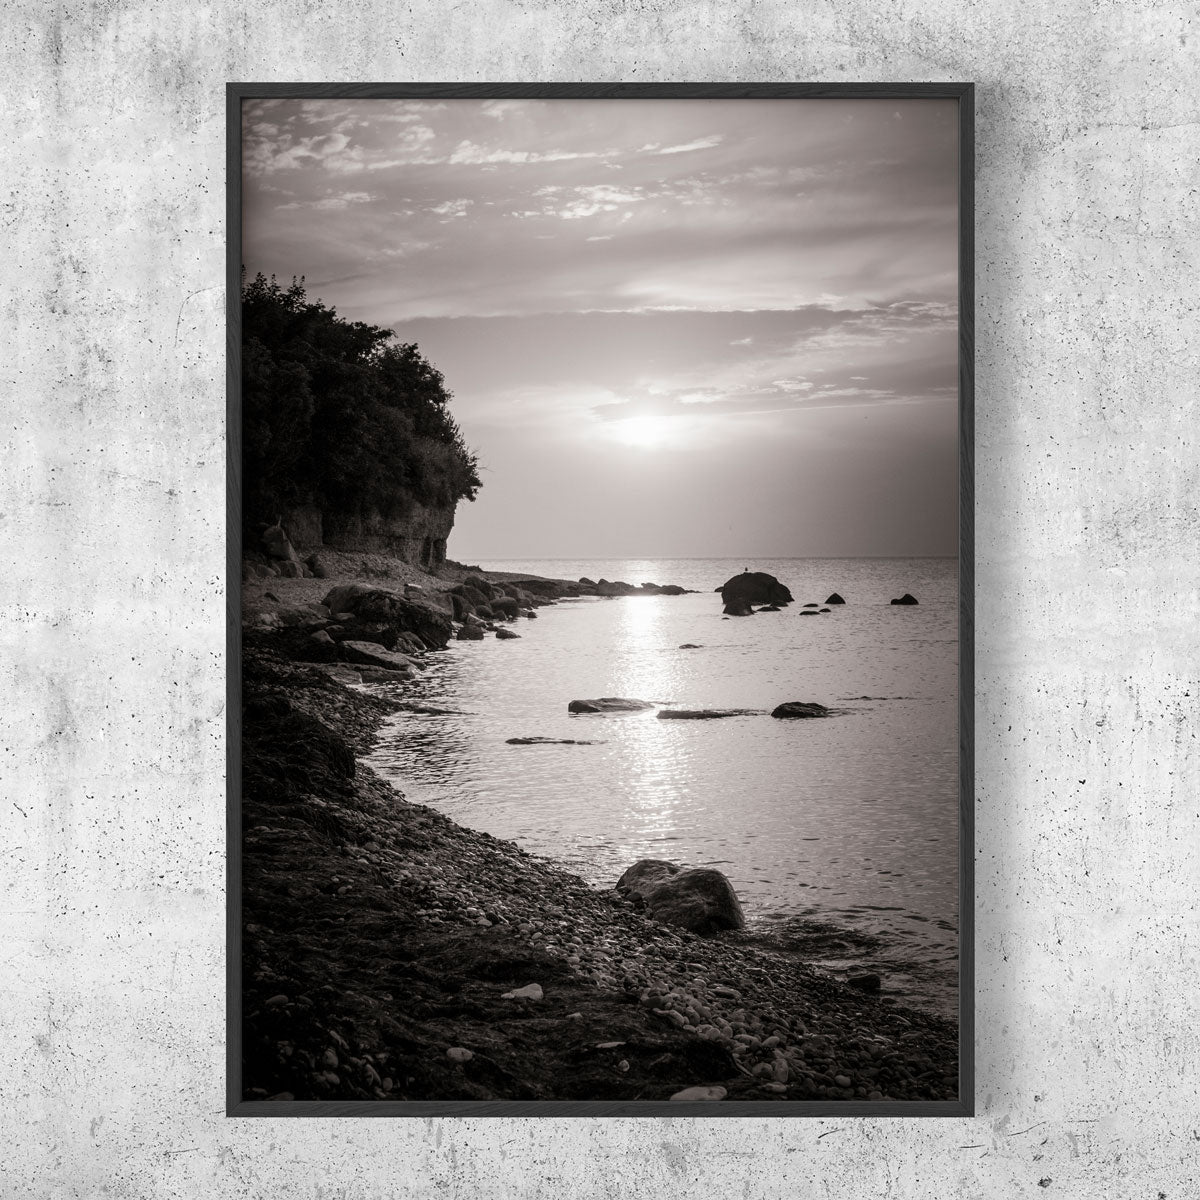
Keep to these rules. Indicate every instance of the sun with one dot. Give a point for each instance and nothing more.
(644, 432)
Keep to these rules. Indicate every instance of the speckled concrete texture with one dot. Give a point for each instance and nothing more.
(112, 512)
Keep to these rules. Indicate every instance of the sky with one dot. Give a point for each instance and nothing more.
(672, 328)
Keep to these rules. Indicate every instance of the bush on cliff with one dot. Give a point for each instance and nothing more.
(338, 415)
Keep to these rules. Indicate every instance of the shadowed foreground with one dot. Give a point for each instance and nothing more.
(380, 940)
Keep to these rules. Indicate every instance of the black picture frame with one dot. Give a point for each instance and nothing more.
(964, 95)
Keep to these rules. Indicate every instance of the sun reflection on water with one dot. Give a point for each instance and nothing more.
(655, 807)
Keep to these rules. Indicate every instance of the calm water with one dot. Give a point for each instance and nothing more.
(839, 835)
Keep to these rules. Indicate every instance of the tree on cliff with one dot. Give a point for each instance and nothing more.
(339, 415)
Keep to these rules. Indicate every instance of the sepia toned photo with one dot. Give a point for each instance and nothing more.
(600, 482)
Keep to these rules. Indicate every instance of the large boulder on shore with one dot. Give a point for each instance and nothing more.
(607, 704)
(403, 614)
(278, 545)
(460, 606)
(370, 654)
(698, 898)
(753, 587)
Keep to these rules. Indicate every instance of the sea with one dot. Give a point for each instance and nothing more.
(839, 835)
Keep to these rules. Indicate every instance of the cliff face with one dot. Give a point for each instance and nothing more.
(418, 537)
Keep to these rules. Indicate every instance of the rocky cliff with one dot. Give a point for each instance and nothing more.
(418, 537)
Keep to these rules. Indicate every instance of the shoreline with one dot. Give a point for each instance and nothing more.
(381, 939)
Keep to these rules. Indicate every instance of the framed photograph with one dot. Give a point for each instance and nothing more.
(600, 625)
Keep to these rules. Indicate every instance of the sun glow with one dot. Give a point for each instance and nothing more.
(643, 432)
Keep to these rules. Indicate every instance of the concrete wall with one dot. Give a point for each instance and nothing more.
(112, 506)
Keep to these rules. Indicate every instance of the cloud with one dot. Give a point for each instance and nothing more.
(470, 153)
(328, 203)
(334, 152)
(499, 109)
(705, 143)
(452, 208)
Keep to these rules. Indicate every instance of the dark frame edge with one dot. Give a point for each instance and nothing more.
(964, 93)
(966, 598)
(587, 1108)
(233, 593)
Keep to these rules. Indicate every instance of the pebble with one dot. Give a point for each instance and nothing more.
(701, 1094)
(276, 1001)
(842, 1081)
(459, 1054)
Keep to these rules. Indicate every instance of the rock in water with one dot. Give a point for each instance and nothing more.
(506, 635)
(700, 898)
(545, 741)
(470, 633)
(754, 587)
(738, 608)
(690, 646)
(835, 599)
(800, 709)
(705, 714)
(608, 704)
(907, 598)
